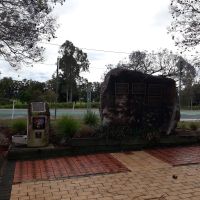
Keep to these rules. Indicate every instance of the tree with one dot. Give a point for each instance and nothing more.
(164, 63)
(73, 61)
(7, 88)
(96, 86)
(31, 91)
(186, 22)
(23, 24)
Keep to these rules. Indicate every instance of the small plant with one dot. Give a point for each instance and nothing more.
(182, 125)
(91, 119)
(85, 131)
(19, 126)
(67, 126)
(193, 126)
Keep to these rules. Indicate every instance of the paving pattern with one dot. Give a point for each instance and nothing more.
(178, 155)
(149, 179)
(64, 167)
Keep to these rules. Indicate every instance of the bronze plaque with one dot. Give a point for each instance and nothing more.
(121, 88)
(138, 88)
(154, 89)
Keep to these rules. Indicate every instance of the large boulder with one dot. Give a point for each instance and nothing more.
(134, 99)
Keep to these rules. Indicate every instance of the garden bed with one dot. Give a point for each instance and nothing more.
(78, 146)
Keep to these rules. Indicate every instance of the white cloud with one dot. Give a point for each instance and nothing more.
(116, 25)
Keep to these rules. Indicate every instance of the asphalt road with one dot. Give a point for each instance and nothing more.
(21, 113)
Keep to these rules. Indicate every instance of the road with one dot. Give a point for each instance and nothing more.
(21, 113)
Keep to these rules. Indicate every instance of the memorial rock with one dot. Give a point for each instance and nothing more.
(134, 99)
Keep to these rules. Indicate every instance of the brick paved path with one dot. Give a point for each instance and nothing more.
(178, 155)
(149, 179)
(66, 167)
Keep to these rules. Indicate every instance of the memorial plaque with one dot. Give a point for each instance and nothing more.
(121, 88)
(133, 99)
(38, 107)
(154, 100)
(154, 89)
(138, 88)
(38, 123)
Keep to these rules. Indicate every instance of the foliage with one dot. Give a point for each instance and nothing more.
(29, 90)
(91, 118)
(5, 105)
(182, 125)
(19, 126)
(186, 22)
(67, 126)
(85, 131)
(163, 62)
(24, 23)
(73, 61)
(190, 96)
(194, 126)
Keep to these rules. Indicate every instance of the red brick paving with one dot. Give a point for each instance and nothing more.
(66, 167)
(177, 155)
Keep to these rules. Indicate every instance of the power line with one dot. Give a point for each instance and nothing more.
(100, 50)
(55, 64)
(88, 49)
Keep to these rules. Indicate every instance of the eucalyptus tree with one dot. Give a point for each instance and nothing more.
(73, 61)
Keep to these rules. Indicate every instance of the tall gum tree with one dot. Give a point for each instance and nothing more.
(73, 61)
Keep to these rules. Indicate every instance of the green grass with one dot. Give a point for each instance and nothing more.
(51, 105)
(67, 126)
(91, 119)
(19, 126)
(191, 125)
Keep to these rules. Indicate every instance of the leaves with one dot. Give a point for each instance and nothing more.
(185, 26)
(24, 23)
(73, 61)
(163, 62)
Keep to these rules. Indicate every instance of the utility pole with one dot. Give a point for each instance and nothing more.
(58, 62)
(88, 98)
(180, 79)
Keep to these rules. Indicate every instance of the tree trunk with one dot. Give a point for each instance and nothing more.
(67, 95)
(70, 94)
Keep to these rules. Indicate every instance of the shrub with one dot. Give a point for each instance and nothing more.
(19, 126)
(85, 132)
(91, 119)
(67, 126)
(193, 126)
(182, 125)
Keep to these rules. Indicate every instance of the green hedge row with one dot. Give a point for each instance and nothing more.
(52, 105)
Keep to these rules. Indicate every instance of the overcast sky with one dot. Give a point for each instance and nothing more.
(109, 25)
